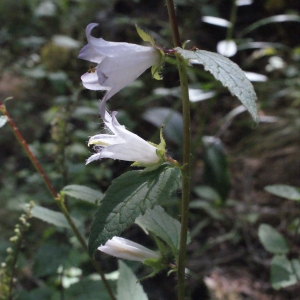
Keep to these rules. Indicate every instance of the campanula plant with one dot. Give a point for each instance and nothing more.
(137, 196)
(134, 193)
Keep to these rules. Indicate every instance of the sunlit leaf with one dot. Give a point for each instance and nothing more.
(284, 191)
(229, 73)
(216, 21)
(83, 193)
(272, 240)
(128, 196)
(128, 286)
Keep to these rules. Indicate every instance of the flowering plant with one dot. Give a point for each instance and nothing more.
(118, 64)
(125, 145)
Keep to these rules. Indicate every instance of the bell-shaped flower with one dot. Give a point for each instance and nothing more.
(126, 249)
(118, 64)
(122, 144)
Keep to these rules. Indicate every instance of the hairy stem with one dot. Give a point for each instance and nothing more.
(186, 154)
(53, 192)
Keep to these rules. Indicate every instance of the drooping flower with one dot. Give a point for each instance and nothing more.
(124, 145)
(118, 64)
(126, 249)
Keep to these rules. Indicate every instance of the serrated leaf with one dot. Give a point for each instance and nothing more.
(3, 120)
(284, 191)
(83, 193)
(272, 240)
(52, 217)
(162, 225)
(229, 73)
(128, 287)
(282, 274)
(130, 195)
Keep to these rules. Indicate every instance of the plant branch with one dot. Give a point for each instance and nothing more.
(186, 154)
(58, 198)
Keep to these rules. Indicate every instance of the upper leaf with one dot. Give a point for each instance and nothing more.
(272, 240)
(130, 195)
(229, 73)
(128, 287)
(161, 224)
(83, 193)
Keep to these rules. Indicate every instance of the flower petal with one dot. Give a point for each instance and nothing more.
(90, 81)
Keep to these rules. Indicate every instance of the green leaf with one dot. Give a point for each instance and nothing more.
(272, 240)
(284, 191)
(130, 195)
(87, 289)
(52, 217)
(296, 267)
(83, 193)
(3, 120)
(162, 225)
(216, 170)
(172, 120)
(128, 287)
(229, 73)
(273, 19)
(282, 274)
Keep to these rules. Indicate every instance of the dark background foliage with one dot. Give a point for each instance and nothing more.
(56, 116)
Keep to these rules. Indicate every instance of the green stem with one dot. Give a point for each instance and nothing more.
(29, 153)
(232, 20)
(186, 154)
(58, 198)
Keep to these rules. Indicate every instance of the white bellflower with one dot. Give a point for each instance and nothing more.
(124, 145)
(126, 249)
(118, 64)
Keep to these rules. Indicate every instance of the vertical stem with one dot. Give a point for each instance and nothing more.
(173, 22)
(186, 154)
(232, 20)
(185, 176)
(56, 196)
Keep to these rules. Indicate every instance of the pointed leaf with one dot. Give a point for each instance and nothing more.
(229, 73)
(52, 217)
(3, 120)
(83, 193)
(128, 286)
(130, 195)
(284, 191)
(272, 240)
(282, 274)
(163, 225)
